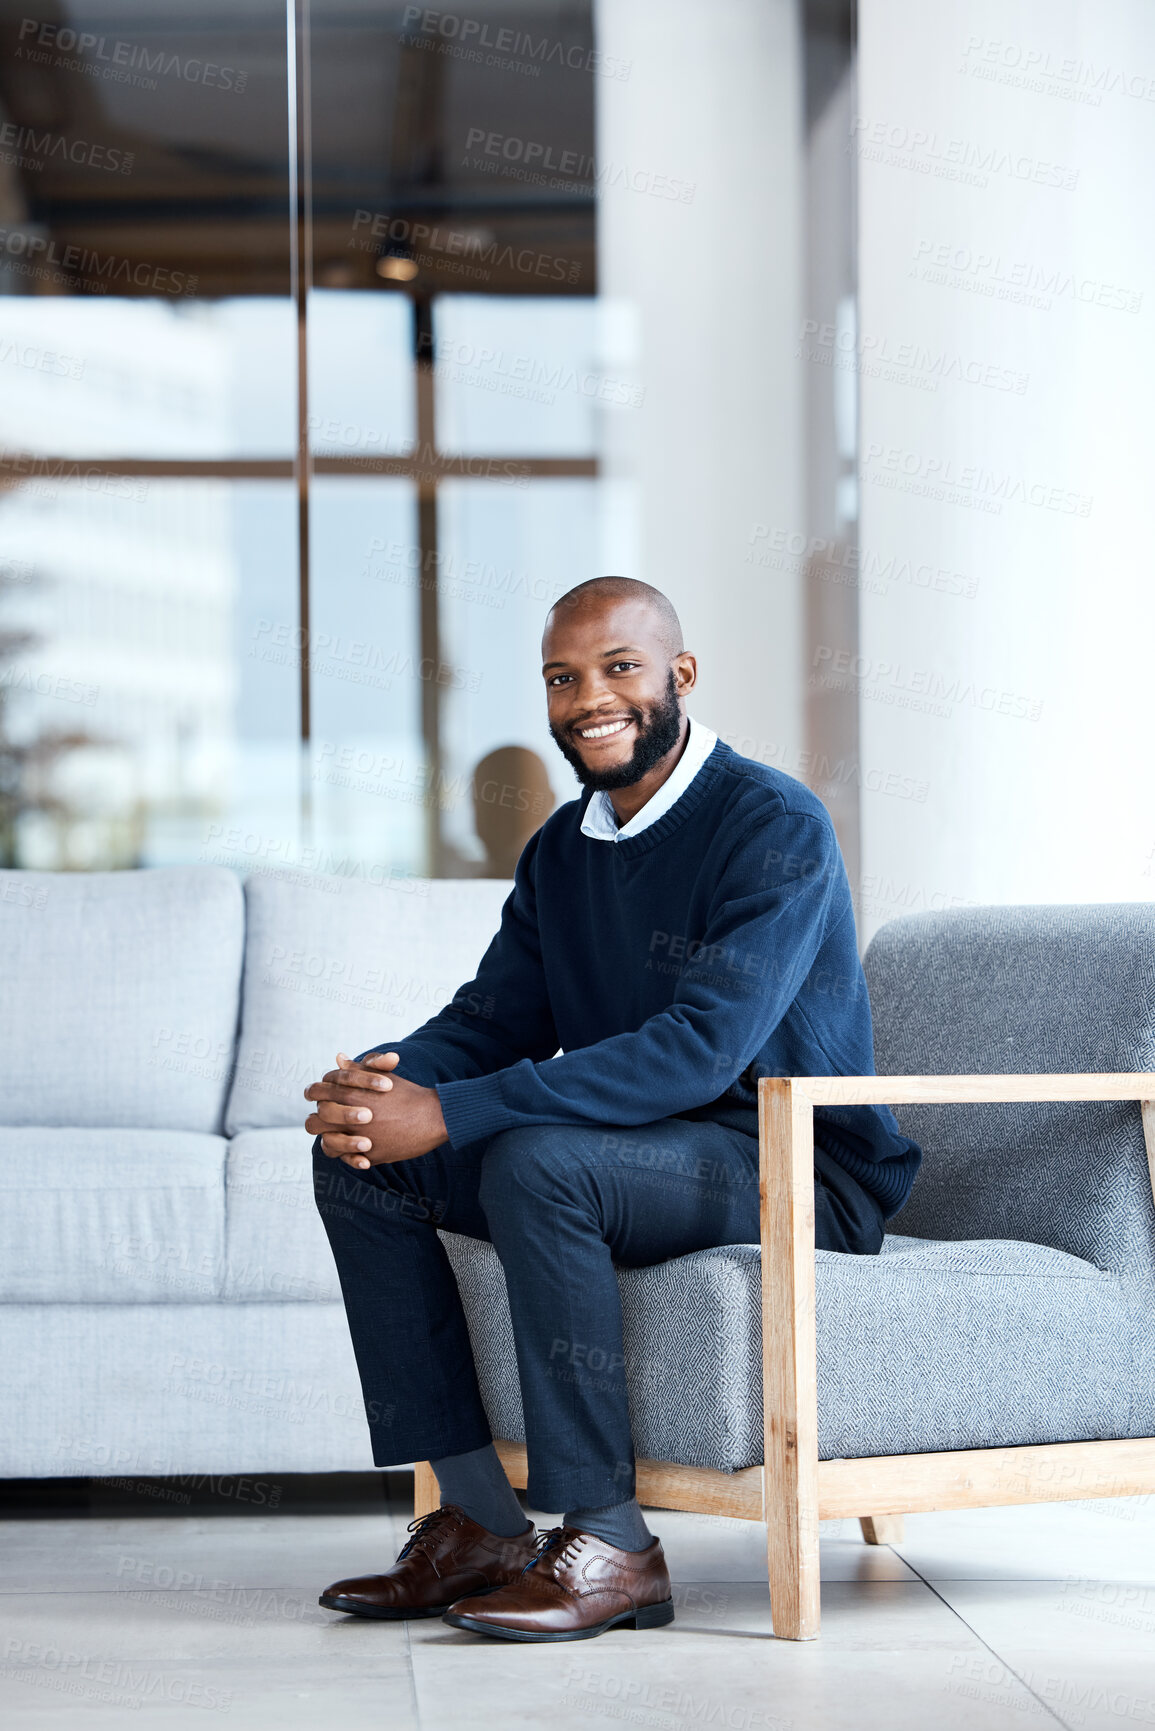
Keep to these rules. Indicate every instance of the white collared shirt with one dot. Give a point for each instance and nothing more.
(600, 822)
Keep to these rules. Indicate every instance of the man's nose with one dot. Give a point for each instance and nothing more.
(591, 691)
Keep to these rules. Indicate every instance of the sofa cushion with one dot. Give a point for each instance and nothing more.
(275, 1244)
(140, 1012)
(926, 1346)
(180, 1391)
(334, 964)
(1021, 990)
(111, 1216)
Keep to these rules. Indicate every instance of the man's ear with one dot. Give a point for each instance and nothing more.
(685, 672)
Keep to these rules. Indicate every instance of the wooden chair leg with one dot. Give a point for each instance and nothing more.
(792, 1564)
(789, 1367)
(426, 1495)
(881, 1529)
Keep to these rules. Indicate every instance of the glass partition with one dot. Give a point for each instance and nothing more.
(338, 340)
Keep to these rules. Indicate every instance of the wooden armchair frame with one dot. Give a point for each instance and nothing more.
(794, 1490)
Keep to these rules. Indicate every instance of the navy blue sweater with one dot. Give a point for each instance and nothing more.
(672, 969)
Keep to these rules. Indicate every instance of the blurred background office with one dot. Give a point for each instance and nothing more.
(339, 338)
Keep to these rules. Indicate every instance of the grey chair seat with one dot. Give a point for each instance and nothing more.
(930, 1345)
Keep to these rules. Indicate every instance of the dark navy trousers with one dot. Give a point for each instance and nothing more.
(561, 1204)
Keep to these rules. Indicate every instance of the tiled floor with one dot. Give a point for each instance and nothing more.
(1021, 1617)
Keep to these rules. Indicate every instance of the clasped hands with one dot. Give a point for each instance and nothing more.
(367, 1117)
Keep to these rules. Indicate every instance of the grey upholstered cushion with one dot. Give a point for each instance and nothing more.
(927, 1346)
(1019, 989)
(275, 1244)
(111, 1216)
(130, 980)
(334, 964)
(254, 1390)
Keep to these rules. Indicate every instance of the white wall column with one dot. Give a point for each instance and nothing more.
(705, 288)
(1007, 349)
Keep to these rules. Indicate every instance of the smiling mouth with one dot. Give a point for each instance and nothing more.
(604, 730)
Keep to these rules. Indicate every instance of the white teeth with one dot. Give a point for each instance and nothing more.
(603, 732)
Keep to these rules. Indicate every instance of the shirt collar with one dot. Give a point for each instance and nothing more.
(600, 822)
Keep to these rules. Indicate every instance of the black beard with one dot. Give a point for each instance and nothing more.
(657, 735)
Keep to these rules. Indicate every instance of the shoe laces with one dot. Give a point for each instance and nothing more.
(427, 1528)
(556, 1545)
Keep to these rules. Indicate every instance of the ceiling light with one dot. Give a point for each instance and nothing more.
(397, 269)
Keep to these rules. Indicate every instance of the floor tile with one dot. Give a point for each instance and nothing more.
(1033, 1541)
(305, 1550)
(1078, 1615)
(209, 1619)
(253, 1696)
(261, 1657)
(1085, 1646)
(891, 1656)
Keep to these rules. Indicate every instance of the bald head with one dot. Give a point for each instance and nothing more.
(601, 593)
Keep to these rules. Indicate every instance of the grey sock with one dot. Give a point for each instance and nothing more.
(476, 1482)
(620, 1524)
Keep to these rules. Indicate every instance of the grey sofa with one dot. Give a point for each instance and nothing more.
(169, 1304)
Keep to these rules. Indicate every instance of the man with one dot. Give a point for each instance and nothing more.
(681, 930)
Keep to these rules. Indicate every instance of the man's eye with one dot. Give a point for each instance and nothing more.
(627, 664)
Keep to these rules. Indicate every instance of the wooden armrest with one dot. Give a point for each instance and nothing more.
(789, 1360)
(955, 1090)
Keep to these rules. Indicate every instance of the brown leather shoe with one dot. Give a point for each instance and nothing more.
(447, 1556)
(576, 1587)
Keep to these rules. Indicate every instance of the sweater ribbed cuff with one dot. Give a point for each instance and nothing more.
(473, 1109)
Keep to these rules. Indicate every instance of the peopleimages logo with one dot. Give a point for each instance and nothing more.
(485, 43)
(1030, 68)
(101, 57)
(89, 476)
(35, 359)
(889, 681)
(42, 147)
(1020, 281)
(539, 164)
(967, 483)
(44, 257)
(928, 152)
(475, 251)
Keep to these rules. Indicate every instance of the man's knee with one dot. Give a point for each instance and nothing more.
(336, 1187)
(524, 1167)
(342, 1192)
